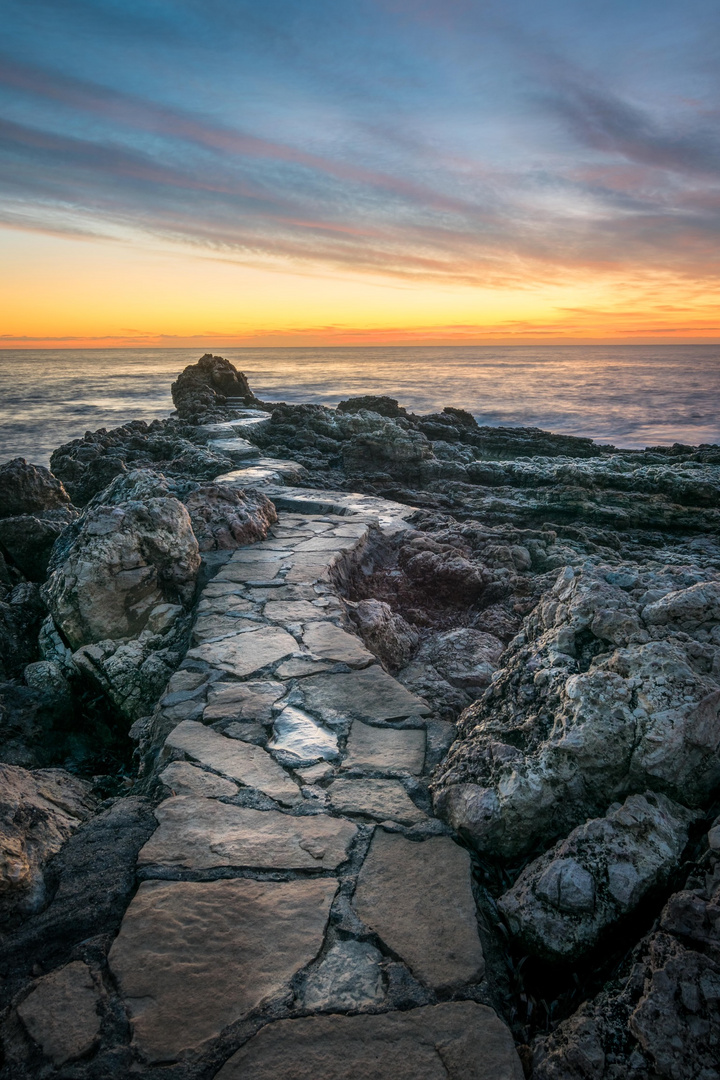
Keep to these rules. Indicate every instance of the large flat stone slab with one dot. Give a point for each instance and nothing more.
(241, 761)
(370, 694)
(385, 750)
(458, 1040)
(193, 957)
(292, 611)
(211, 627)
(197, 834)
(60, 1013)
(384, 800)
(247, 653)
(242, 701)
(185, 779)
(418, 898)
(333, 643)
(300, 740)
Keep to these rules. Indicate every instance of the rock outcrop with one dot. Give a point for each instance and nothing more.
(203, 386)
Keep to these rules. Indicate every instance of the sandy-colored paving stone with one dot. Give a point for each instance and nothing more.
(348, 979)
(298, 667)
(458, 1040)
(292, 611)
(246, 653)
(330, 641)
(211, 627)
(197, 834)
(301, 740)
(222, 603)
(379, 799)
(315, 773)
(185, 779)
(387, 750)
(242, 761)
(242, 701)
(327, 543)
(60, 1013)
(310, 567)
(370, 694)
(417, 897)
(193, 957)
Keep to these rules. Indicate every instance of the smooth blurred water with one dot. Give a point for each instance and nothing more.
(631, 396)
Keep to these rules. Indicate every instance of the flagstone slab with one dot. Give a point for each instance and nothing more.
(301, 740)
(212, 626)
(292, 611)
(348, 979)
(193, 957)
(328, 542)
(248, 764)
(246, 653)
(370, 694)
(458, 1040)
(197, 834)
(386, 750)
(185, 779)
(417, 897)
(379, 799)
(243, 701)
(332, 642)
(298, 667)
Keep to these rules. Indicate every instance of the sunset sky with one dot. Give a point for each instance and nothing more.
(225, 172)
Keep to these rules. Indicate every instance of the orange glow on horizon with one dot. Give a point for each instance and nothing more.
(60, 291)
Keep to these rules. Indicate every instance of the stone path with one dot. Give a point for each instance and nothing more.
(300, 911)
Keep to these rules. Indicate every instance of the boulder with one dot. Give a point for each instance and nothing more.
(385, 633)
(225, 517)
(126, 564)
(21, 613)
(452, 667)
(27, 540)
(38, 813)
(208, 384)
(29, 489)
(585, 711)
(565, 901)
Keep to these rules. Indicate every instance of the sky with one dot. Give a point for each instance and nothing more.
(309, 172)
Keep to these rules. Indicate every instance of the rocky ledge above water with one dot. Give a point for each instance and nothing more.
(553, 603)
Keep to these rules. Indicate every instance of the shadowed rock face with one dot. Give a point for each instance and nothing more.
(29, 489)
(203, 386)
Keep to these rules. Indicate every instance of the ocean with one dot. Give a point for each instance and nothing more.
(632, 396)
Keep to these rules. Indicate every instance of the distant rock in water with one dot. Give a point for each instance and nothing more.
(203, 386)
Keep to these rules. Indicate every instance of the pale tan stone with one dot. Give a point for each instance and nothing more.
(246, 653)
(457, 1040)
(417, 897)
(60, 1013)
(185, 779)
(242, 701)
(331, 642)
(193, 957)
(384, 800)
(197, 834)
(291, 611)
(388, 750)
(241, 761)
(212, 626)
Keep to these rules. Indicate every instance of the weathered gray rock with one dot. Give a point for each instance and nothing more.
(193, 957)
(418, 898)
(385, 750)
(686, 609)
(300, 740)
(29, 489)
(247, 653)
(292, 611)
(384, 800)
(248, 764)
(39, 811)
(185, 779)
(348, 979)
(549, 745)
(225, 517)
(564, 901)
(465, 658)
(199, 833)
(126, 561)
(454, 1041)
(60, 1013)
(133, 673)
(369, 694)
(384, 632)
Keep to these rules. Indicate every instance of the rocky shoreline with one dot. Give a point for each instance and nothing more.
(448, 694)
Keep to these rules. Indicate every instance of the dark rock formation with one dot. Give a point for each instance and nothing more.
(203, 386)
(29, 489)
